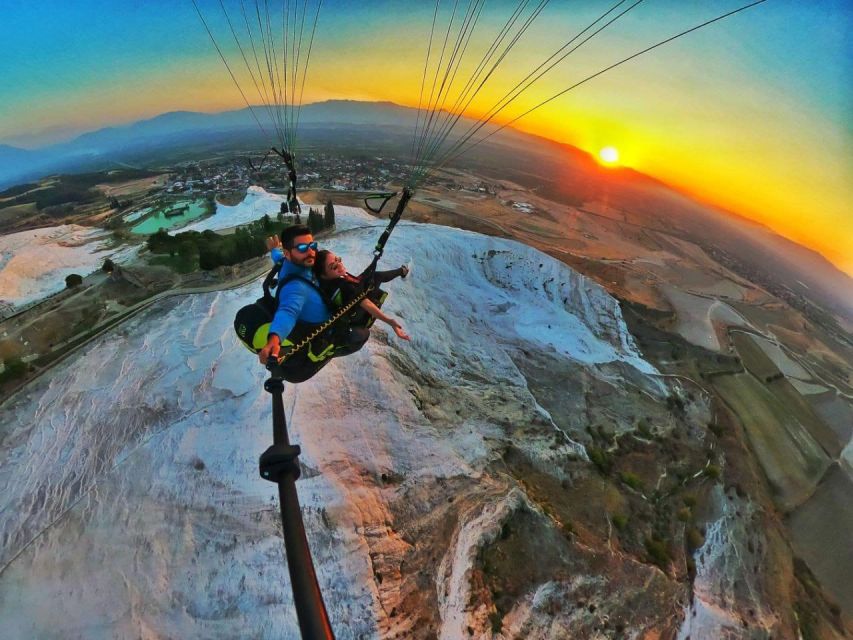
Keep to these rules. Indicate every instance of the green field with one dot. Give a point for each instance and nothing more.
(754, 359)
(793, 461)
(19, 210)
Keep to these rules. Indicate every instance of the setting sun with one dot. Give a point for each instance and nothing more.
(608, 155)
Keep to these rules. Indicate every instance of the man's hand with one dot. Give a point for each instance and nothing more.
(270, 350)
(273, 242)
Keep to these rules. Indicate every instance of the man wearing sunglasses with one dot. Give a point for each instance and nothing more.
(298, 300)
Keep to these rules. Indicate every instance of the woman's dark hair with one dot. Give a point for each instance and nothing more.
(289, 233)
(319, 267)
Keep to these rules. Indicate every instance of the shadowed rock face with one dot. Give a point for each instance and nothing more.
(518, 466)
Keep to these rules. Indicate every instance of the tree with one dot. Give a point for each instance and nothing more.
(159, 242)
(187, 249)
(108, 266)
(329, 215)
(208, 258)
(73, 280)
(315, 221)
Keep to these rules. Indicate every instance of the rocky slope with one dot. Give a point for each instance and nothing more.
(517, 470)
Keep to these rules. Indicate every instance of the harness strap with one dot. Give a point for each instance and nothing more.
(380, 244)
(322, 327)
(271, 281)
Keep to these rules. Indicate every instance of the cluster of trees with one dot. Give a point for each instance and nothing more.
(213, 250)
(115, 203)
(316, 221)
(18, 190)
(64, 189)
(62, 194)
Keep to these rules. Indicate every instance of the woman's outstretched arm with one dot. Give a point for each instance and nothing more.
(376, 312)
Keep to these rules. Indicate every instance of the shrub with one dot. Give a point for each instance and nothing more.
(644, 429)
(15, 368)
(675, 403)
(685, 515)
(619, 521)
(695, 539)
(600, 459)
(73, 280)
(712, 471)
(658, 552)
(632, 480)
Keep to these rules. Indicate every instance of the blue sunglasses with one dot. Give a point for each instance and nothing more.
(302, 247)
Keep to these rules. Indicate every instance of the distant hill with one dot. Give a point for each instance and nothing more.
(7, 151)
(139, 142)
(555, 170)
(12, 158)
(564, 173)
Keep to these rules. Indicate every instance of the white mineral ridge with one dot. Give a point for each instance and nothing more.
(727, 580)
(131, 501)
(34, 264)
(254, 206)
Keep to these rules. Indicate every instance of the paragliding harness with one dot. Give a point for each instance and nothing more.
(310, 345)
(252, 322)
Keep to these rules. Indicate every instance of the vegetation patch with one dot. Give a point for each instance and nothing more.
(600, 458)
(632, 480)
(695, 539)
(529, 552)
(18, 190)
(14, 370)
(210, 250)
(813, 607)
(619, 521)
(658, 551)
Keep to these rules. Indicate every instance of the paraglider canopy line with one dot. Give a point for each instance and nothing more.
(433, 148)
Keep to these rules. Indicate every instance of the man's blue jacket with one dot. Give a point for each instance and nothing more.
(298, 301)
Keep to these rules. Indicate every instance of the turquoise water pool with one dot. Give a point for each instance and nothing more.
(191, 211)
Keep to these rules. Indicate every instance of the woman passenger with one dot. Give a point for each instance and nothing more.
(333, 276)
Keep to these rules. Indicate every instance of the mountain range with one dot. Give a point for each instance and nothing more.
(134, 143)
